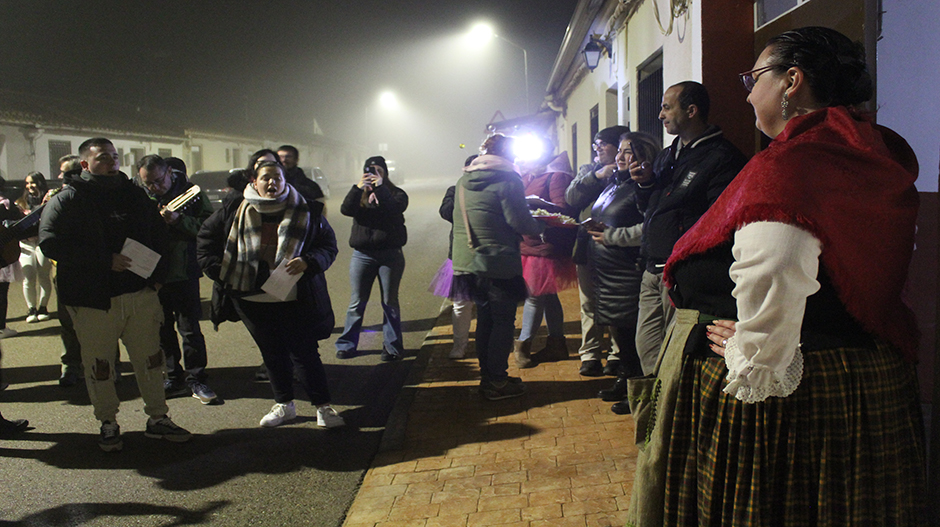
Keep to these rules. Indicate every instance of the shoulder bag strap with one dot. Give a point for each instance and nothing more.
(466, 221)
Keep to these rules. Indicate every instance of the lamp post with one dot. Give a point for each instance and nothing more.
(483, 32)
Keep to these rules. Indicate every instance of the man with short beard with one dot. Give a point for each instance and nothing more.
(84, 228)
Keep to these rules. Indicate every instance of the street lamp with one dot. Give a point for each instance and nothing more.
(592, 51)
(481, 33)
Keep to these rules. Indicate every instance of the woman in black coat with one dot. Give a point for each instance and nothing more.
(377, 208)
(614, 255)
(273, 229)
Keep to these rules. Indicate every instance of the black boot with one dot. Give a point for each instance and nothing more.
(617, 392)
(621, 408)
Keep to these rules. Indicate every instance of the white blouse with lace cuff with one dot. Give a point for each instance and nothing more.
(775, 270)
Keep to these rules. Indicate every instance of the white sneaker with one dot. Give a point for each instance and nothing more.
(328, 418)
(8, 332)
(457, 352)
(279, 414)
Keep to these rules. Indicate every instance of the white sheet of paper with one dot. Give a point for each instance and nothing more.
(280, 284)
(143, 259)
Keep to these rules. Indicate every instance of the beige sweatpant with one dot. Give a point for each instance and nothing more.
(135, 319)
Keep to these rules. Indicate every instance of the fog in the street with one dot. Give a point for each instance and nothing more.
(274, 68)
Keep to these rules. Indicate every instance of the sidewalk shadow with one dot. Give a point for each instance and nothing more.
(211, 459)
(64, 515)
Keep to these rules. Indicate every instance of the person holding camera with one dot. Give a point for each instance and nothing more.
(377, 208)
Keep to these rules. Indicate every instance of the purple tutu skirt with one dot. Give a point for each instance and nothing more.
(444, 285)
(441, 283)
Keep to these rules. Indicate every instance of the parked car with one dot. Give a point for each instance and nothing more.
(319, 177)
(215, 183)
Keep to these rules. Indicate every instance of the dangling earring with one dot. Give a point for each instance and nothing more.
(784, 104)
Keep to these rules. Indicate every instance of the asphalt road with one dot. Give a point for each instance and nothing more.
(233, 472)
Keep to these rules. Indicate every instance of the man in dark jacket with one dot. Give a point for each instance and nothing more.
(294, 175)
(684, 181)
(179, 295)
(88, 228)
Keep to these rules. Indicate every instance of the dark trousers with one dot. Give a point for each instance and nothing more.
(286, 338)
(496, 302)
(181, 304)
(625, 337)
(4, 291)
(72, 349)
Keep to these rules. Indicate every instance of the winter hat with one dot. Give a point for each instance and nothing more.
(376, 160)
(612, 135)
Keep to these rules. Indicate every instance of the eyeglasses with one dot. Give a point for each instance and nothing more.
(750, 79)
(599, 144)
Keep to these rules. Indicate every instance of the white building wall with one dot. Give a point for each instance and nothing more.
(633, 45)
(682, 49)
(20, 156)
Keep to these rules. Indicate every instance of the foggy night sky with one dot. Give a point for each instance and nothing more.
(282, 64)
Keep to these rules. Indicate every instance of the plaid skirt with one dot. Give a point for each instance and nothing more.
(846, 448)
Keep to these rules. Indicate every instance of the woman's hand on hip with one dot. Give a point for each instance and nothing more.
(718, 333)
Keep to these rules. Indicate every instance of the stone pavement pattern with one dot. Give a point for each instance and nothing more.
(557, 456)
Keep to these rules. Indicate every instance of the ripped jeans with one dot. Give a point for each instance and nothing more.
(135, 319)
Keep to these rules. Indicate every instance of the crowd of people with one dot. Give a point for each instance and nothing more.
(756, 328)
(754, 307)
(100, 230)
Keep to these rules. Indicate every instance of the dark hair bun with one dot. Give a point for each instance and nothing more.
(498, 145)
(833, 65)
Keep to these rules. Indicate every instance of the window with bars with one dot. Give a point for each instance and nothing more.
(57, 149)
(649, 95)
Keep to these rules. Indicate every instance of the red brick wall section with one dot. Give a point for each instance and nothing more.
(728, 49)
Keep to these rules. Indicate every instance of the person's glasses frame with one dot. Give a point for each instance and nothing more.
(750, 79)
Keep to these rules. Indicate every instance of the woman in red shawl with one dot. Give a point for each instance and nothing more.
(805, 411)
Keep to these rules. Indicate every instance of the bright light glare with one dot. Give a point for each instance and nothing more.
(528, 148)
(388, 100)
(480, 34)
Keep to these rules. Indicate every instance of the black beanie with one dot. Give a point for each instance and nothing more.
(376, 160)
(612, 135)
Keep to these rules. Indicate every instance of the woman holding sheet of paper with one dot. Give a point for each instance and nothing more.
(273, 234)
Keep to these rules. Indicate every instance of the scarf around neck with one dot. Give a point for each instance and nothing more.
(491, 162)
(243, 246)
(851, 184)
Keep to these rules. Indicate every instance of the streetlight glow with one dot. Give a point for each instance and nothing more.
(480, 34)
(388, 100)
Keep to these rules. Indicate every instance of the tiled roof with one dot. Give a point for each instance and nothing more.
(98, 115)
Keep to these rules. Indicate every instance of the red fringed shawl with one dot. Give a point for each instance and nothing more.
(851, 184)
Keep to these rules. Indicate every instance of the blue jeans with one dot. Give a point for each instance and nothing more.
(389, 266)
(532, 311)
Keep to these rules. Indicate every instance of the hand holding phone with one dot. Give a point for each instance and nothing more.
(593, 225)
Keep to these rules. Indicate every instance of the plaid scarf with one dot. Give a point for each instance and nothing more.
(243, 245)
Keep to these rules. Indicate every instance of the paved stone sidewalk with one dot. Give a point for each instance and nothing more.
(555, 456)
